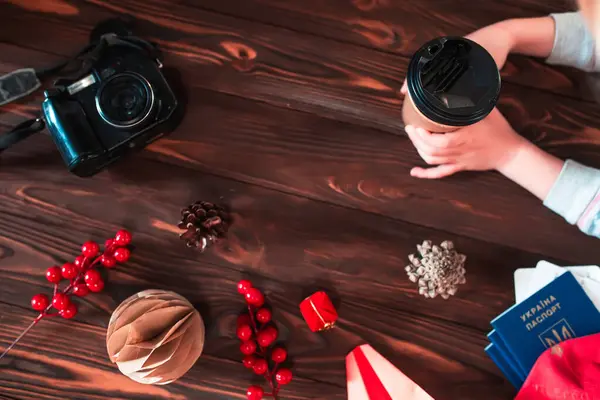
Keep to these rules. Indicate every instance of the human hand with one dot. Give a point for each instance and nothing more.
(488, 144)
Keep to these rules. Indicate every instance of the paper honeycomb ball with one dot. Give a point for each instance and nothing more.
(155, 337)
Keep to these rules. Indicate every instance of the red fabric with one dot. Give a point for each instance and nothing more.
(569, 370)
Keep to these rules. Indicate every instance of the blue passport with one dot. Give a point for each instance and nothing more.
(559, 311)
(502, 350)
(503, 365)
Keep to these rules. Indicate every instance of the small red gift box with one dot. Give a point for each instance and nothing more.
(318, 312)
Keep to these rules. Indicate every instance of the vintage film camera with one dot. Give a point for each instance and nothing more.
(120, 102)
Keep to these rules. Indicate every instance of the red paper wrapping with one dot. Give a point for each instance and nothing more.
(318, 312)
(569, 370)
(371, 377)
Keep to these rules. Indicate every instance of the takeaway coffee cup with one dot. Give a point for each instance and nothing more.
(452, 82)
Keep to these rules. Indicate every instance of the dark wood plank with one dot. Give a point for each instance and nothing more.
(388, 25)
(287, 244)
(239, 57)
(68, 360)
(365, 169)
(279, 163)
(361, 169)
(386, 243)
(401, 27)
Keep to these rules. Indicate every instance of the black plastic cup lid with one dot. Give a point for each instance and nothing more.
(453, 81)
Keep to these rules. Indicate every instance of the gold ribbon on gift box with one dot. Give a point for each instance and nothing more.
(326, 325)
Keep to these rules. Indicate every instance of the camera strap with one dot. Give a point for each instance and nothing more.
(24, 81)
(20, 83)
(17, 84)
(20, 132)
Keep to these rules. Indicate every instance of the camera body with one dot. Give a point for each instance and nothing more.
(120, 102)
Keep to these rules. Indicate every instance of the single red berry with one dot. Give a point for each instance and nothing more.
(90, 249)
(60, 301)
(53, 274)
(243, 319)
(69, 271)
(121, 254)
(243, 286)
(279, 355)
(80, 290)
(267, 336)
(92, 276)
(249, 361)
(96, 286)
(255, 393)
(260, 366)
(108, 243)
(283, 376)
(39, 302)
(79, 260)
(69, 312)
(244, 332)
(255, 297)
(248, 348)
(122, 238)
(263, 315)
(108, 261)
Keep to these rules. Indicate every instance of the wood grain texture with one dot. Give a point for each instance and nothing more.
(321, 76)
(401, 27)
(363, 168)
(291, 127)
(343, 84)
(387, 25)
(69, 361)
(350, 253)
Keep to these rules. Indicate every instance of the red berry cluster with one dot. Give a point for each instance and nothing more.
(82, 275)
(258, 334)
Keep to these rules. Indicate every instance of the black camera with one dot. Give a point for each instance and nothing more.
(117, 102)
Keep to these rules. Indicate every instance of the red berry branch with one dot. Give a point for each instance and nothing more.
(83, 277)
(258, 334)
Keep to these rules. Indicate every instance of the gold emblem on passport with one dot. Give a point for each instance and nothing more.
(559, 332)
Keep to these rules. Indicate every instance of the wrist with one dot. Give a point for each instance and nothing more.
(519, 149)
(532, 168)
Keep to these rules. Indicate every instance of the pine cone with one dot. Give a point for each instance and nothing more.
(437, 269)
(204, 223)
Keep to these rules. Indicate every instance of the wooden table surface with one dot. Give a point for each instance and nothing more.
(294, 121)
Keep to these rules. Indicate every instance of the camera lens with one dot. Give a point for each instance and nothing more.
(125, 100)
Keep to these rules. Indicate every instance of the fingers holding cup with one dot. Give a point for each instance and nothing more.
(441, 171)
(429, 145)
(445, 143)
(404, 88)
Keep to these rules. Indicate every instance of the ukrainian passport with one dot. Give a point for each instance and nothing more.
(559, 311)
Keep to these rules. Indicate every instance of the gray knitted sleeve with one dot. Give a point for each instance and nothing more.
(574, 45)
(576, 193)
(576, 197)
